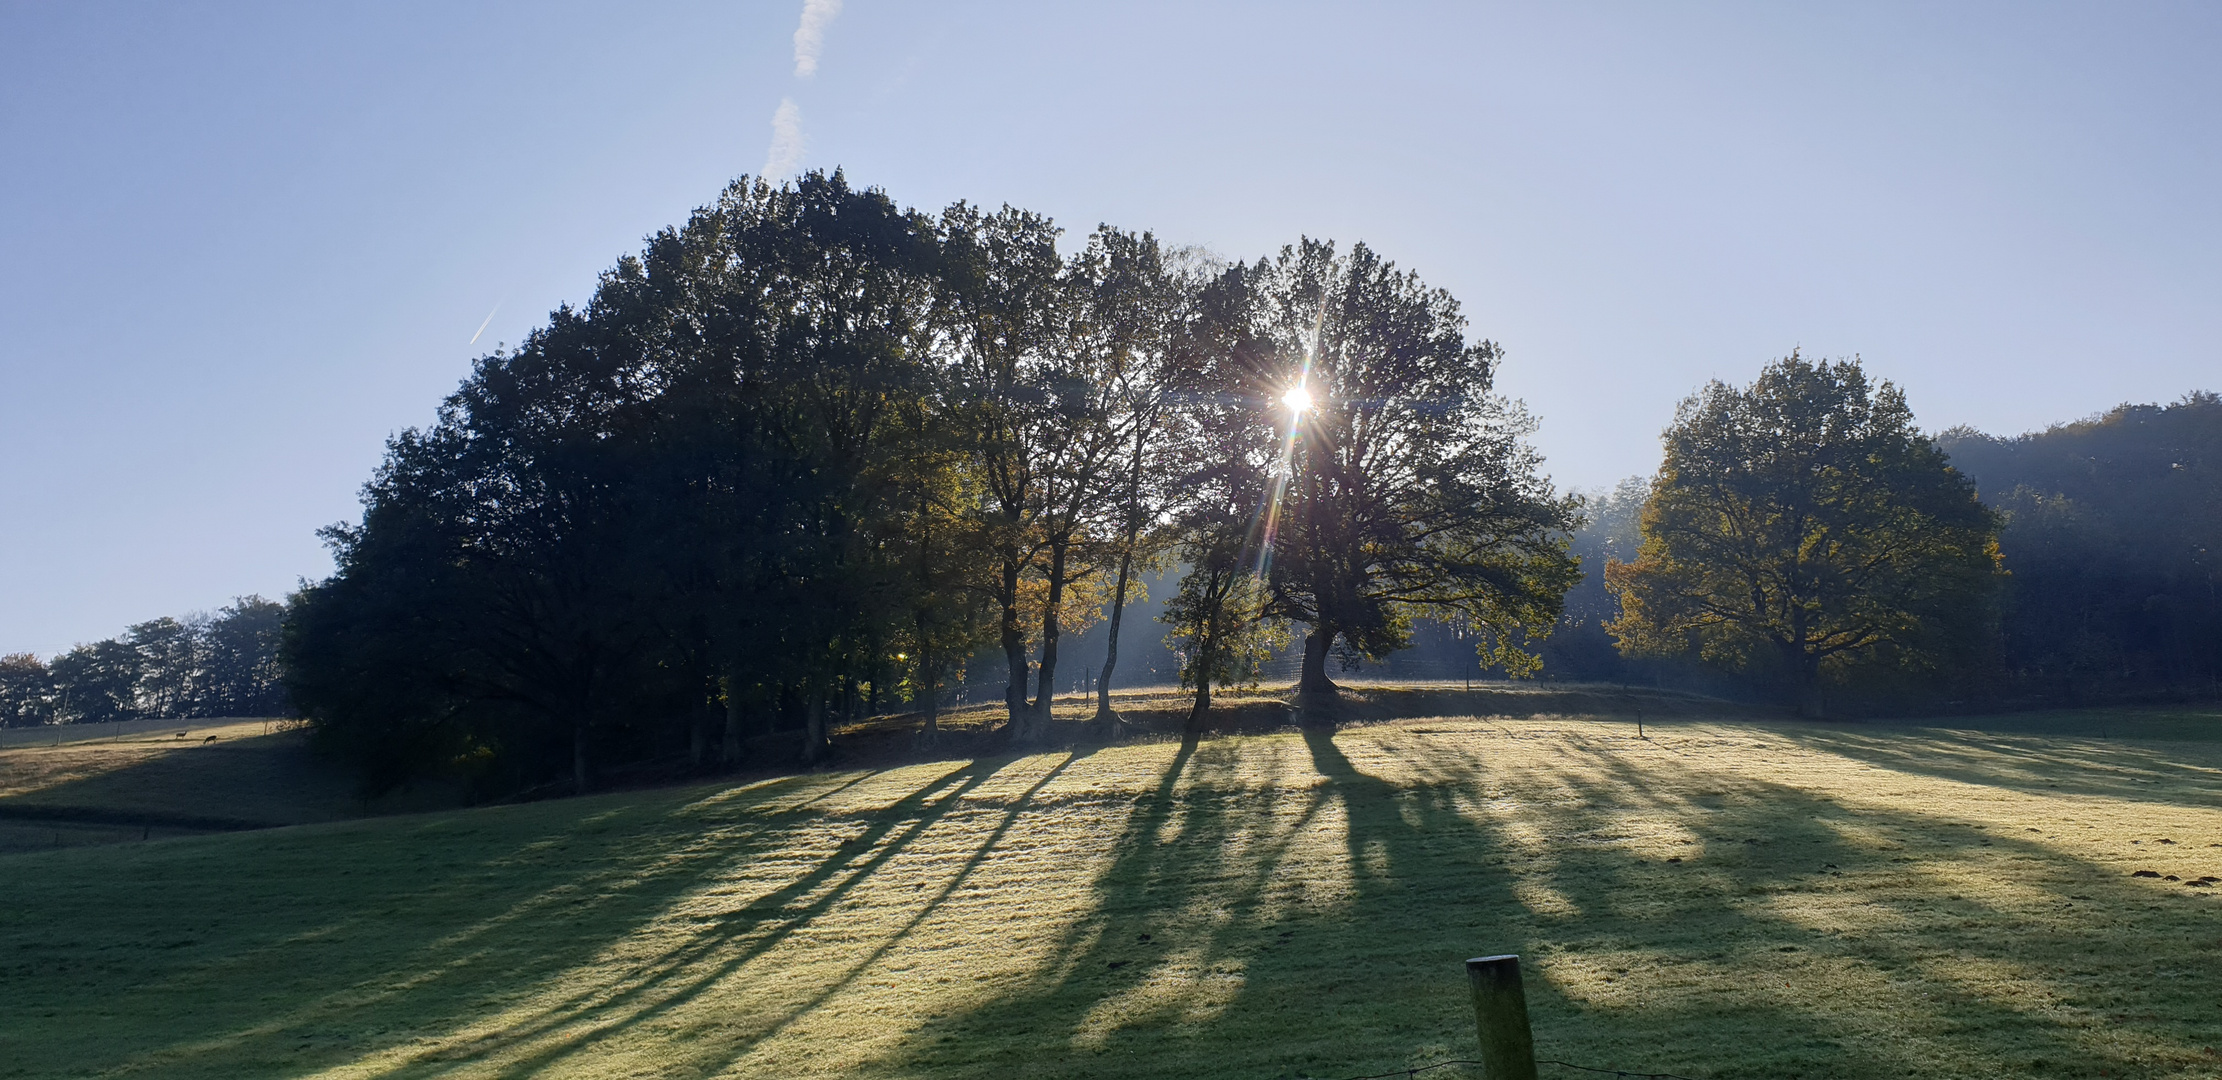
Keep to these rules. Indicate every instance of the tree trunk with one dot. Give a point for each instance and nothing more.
(1313, 681)
(1014, 651)
(582, 774)
(1807, 671)
(736, 717)
(1193, 729)
(703, 715)
(929, 679)
(1046, 679)
(814, 723)
(1316, 694)
(1105, 718)
(1202, 664)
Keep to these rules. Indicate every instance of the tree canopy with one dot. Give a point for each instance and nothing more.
(1398, 484)
(1802, 529)
(811, 454)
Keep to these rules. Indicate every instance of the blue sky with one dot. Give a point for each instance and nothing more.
(245, 243)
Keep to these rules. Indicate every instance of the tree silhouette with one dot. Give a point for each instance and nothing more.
(1409, 490)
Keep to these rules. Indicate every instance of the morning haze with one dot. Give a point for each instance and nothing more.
(1324, 542)
(250, 243)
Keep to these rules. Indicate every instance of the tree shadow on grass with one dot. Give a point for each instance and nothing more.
(1974, 959)
(1212, 944)
(1204, 896)
(404, 945)
(763, 925)
(2172, 773)
(1272, 907)
(722, 942)
(1785, 942)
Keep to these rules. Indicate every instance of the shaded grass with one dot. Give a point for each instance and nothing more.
(34, 772)
(225, 775)
(1721, 899)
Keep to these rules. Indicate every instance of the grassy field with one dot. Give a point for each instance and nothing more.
(1726, 898)
(61, 789)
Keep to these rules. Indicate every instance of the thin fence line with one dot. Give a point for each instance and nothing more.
(1616, 1072)
(1415, 1071)
(1418, 1069)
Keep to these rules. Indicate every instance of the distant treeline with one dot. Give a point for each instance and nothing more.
(220, 664)
(2111, 537)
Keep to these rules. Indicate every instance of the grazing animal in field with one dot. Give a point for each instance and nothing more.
(206, 741)
(180, 734)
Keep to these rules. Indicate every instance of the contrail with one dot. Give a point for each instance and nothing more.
(786, 149)
(489, 322)
(810, 37)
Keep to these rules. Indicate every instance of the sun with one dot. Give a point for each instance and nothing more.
(1298, 400)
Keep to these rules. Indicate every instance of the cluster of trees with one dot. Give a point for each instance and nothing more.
(220, 664)
(812, 454)
(2112, 530)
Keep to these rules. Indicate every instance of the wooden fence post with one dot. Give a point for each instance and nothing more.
(1501, 1016)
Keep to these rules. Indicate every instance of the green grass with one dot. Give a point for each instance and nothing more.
(223, 775)
(1728, 898)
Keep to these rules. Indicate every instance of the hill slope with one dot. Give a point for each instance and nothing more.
(1720, 899)
(65, 787)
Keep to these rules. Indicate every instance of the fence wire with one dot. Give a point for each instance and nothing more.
(1418, 1069)
(1616, 1072)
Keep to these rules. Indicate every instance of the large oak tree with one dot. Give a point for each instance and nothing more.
(1803, 528)
(1406, 488)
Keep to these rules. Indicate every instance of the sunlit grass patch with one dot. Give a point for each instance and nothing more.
(31, 766)
(1719, 899)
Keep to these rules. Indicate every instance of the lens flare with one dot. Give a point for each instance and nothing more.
(1265, 524)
